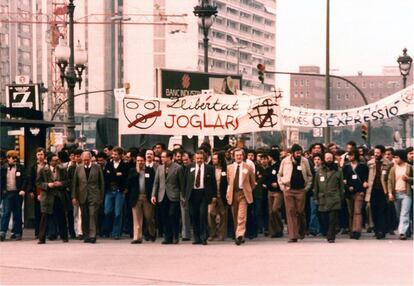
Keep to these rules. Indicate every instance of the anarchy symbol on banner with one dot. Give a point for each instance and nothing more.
(264, 114)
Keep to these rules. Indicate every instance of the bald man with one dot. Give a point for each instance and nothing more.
(88, 193)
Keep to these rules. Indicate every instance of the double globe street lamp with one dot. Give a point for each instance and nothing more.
(71, 63)
(205, 12)
(404, 63)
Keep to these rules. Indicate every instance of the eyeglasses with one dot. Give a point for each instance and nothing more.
(14, 158)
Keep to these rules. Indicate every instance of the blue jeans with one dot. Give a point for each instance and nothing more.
(314, 220)
(114, 203)
(12, 203)
(403, 207)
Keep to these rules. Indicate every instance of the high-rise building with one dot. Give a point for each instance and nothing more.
(242, 36)
(20, 44)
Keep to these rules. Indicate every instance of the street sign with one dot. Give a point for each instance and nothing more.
(23, 96)
(176, 83)
(119, 93)
(317, 132)
(22, 79)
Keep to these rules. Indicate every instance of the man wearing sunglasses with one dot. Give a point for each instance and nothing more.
(13, 182)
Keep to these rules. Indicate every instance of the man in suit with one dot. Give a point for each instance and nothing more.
(53, 180)
(115, 175)
(218, 207)
(74, 212)
(241, 181)
(168, 187)
(32, 188)
(199, 190)
(13, 182)
(139, 184)
(87, 192)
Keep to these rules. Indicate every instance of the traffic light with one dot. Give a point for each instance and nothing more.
(261, 70)
(364, 132)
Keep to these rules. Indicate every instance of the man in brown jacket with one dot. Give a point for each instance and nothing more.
(241, 181)
(295, 179)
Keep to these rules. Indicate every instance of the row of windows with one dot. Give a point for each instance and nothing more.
(301, 82)
(256, 48)
(354, 96)
(245, 28)
(371, 84)
(242, 15)
(339, 84)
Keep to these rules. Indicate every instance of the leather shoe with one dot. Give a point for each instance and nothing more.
(136, 241)
(292, 240)
(331, 240)
(175, 241)
(185, 239)
(65, 240)
(166, 242)
(2, 237)
(239, 240)
(196, 242)
(204, 242)
(41, 242)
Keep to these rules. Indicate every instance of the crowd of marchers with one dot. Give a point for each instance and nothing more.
(230, 194)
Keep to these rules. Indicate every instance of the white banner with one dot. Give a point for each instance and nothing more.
(399, 103)
(203, 114)
(220, 114)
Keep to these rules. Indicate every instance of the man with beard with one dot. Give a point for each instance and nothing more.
(329, 189)
(377, 192)
(295, 179)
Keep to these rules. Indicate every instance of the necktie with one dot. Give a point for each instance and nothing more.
(236, 179)
(198, 177)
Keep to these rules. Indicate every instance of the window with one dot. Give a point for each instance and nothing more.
(257, 33)
(338, 84)
(244, 28)
(307, 83)
(364, 84)
(257, 19)
(347, 85)
(301, 94)
(372, 96)
(338, 96)
(269, 22)
(231, 24)
(231, 11)
(307, 94)
(346, 96)
(371, 85)
(302, 82)
(380, 84)
(296, 94)
(245, 15)
(295, 83)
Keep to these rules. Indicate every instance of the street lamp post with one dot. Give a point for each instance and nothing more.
(204, 12)
(73, 74)
(404, 63)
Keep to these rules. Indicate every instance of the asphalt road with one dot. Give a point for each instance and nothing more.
(259, 261)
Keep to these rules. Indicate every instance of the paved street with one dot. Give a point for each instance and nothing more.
(261, 261)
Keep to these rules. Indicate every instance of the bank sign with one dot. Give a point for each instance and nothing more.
(23, 96)
(176, 84)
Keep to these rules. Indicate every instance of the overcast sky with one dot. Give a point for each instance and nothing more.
(365, 34)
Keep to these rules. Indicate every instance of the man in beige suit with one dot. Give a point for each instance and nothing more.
(241, 181)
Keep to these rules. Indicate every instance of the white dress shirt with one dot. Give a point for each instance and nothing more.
(201, 176)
